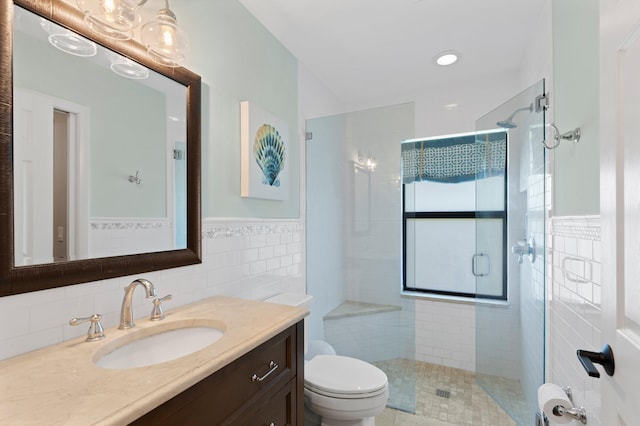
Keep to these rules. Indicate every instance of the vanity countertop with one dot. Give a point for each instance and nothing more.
(60, 384)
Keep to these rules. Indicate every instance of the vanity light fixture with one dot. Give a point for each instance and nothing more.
(164, 40)
(68, 41)
(115, 19)
(367, 161)
(127, 68)
(166, 43)
(447, 58)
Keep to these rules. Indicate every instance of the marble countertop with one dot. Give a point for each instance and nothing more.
(60, 384)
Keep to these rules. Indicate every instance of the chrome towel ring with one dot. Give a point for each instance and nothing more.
(573, 135)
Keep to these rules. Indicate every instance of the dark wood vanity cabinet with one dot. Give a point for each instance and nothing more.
(250, 391)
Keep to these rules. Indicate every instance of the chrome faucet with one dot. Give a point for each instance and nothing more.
(126, 313)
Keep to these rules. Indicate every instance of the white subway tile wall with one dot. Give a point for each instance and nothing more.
(574, 307)
(251, 259)
(446, 333)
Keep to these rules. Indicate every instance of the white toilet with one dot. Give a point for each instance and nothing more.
(338, 390)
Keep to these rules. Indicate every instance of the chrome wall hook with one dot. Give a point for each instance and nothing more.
(135, 179)
(573, 135)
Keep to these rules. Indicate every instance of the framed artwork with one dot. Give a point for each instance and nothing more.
(264, 169)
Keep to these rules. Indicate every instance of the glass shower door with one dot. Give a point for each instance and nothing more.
(353, 242)
(510, 331)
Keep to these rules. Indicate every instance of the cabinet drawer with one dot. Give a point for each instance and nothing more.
(273, 410)
(233, 390)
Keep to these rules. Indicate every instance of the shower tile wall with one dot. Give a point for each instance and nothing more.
(574, 306)
(249, 259)
(446, 333)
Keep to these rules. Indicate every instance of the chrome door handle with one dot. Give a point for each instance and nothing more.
(474, 264)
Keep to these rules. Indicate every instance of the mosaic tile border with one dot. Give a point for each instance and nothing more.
(582, 227)
(220, 230)
(108, 225)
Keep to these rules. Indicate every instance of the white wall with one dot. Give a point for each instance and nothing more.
(576, 104)
(574, 270)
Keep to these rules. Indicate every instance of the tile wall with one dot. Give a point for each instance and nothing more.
(241, 258)
(113, 238)
(574, 307)
(446, 333)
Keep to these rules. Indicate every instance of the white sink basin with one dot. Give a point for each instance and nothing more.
(154, 345)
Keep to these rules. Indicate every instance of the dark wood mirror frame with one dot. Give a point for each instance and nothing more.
(23, 279)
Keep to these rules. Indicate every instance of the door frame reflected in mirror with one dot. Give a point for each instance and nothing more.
(22, 279)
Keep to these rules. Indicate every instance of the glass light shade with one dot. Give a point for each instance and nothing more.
(112, 18)
(125, 67)
(166, 43)
(68, 41)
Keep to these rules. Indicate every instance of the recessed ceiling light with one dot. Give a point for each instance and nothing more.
(449, 57)
(449, 107)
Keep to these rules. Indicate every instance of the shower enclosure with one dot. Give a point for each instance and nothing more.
(510, 335)
(355, 217)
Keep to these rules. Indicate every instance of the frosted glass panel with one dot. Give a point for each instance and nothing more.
(442, 197)
(446, 253)
(490, 280)
(429, 196)
(444, 248)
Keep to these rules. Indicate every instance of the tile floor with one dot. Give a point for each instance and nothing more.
(413, 386)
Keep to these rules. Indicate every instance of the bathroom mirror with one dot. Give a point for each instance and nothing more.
(100, 154)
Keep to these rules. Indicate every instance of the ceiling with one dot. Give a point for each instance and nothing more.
(367, 50)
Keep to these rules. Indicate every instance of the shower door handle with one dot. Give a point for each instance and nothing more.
(474, 264)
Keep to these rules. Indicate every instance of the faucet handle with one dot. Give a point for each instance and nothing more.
(95, 332)
(157, 313)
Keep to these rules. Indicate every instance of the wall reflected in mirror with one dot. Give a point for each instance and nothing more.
(86, 119)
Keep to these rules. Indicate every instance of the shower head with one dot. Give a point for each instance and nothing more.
(508, 123)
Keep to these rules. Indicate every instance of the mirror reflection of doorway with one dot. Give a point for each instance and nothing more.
(50, 167)
(60, 185)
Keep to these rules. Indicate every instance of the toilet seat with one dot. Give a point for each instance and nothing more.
(344, 377)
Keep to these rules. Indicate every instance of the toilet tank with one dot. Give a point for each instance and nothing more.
(294, 299)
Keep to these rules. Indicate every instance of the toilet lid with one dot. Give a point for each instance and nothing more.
(343, 375)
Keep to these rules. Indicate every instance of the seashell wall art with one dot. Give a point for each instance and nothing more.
(264, 149)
